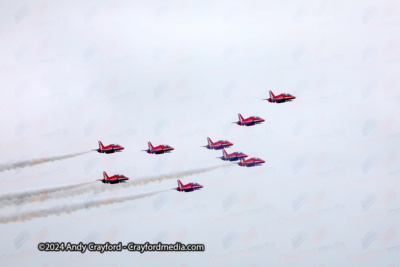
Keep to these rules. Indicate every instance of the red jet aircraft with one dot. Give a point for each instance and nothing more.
(218, 145)
(250, 121)
(161, 149)
(251, 162)
(109, 149)
(279, 98)
(115, 179)
(233, 156)
(188, 187)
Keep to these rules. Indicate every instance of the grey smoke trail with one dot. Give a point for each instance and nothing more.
(63, 192)
(178, 175)
(33, 162)
(27, 216)
(141, 181)
(19, 198)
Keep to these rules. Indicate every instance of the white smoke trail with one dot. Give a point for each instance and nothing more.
(70, 191)
(33, 162)
(58, 210)
(19, 198)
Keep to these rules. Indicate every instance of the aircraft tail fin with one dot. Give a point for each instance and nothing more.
(150, 146)
(224, 153)
(209, 141)
(101, 145)
(105, 176)
(180, 185)
(271, 95)
(240, 117)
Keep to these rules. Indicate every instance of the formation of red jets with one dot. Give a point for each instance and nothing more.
(221, 144)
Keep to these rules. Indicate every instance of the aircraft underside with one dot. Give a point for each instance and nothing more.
(187, 190)
(217, 147)
(160, 152)
(232, 159)
(114, 182)
(110, 151)
(251, 165)
(190, 190)
(251, 123)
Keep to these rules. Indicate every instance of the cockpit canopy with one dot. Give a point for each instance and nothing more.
(226, 141)
(120, 175)
(195, 184)
(115, 145)
(166, 145)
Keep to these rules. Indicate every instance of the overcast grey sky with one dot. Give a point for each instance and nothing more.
(176, 72)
